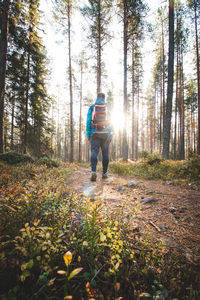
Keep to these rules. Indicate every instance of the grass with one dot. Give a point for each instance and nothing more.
(55, 244)
(186, 172)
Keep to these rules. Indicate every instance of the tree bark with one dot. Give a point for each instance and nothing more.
(182, 114)
(198, 79)
(99, 49)
(80, 117)
(12, 124)
(70, 87)
(133, 98)
(3, 60)
(168, 112)
(26, 104)
(125, 142)
(163, 84)
(176, 107)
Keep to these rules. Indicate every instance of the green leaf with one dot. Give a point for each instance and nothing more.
(74, 273)
(145, 295)
(30, 264)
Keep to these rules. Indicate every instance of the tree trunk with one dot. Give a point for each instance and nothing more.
(3, 59)
(26, 104)
(65, 143)
(12, 124)
(163, 82)
(133, 96)
(176, 107)
(99, 49)
(70, 87)
(80, 118)
(125, 142)
(137, 120)
(168, 111)
(182, 114)
(198, 79)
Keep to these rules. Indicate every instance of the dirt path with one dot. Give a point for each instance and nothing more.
(171, 213)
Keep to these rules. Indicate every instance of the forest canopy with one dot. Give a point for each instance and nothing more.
(144, 57)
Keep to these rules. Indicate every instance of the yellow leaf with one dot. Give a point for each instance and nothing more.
(48, 235)
(68, 298)
(74, 273)
(85, 243)
(67, 258)
(109, 235)
(117, 265)
(102, 237)
(36, 222)
(61, 272)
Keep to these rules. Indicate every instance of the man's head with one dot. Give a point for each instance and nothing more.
(101, 95)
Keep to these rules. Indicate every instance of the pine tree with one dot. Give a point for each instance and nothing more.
(98, 15)
(26, 74)
(168, 110)
(131, 14)
(194, 6)
(4, 15)
(64, 9)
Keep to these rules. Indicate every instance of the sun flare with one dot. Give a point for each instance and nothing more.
(117, 120)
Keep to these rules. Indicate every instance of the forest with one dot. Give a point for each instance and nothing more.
(135, 234)
(162, 119)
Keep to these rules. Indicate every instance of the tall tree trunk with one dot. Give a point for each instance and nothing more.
(163, 81)
(198, 79)
(52, 126)
(70, 88)
(3, 59)
(161, 118)
(12, 124)
(80, 117)
(99, 49)
(125, 107)
(26, 104)
(182, 114)
(133, 97)
(176, 108)
(168, 111)
(65, 143)
(137, 120)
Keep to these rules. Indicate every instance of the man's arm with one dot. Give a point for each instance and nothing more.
(88, 124)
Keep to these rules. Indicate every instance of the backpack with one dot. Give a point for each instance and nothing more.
(99, 117)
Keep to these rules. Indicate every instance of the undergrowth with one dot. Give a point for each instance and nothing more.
(187, 171)
(55, 244)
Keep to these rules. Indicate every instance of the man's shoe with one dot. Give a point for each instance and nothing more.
(93, 177)
(105, 175)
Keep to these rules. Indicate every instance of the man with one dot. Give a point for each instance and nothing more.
(99, 134)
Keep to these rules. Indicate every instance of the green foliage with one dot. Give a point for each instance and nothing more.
(14, 158)
(26, 78)
(153, 167)
(55, 244)
(50, 163)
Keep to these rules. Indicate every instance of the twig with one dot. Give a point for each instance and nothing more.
(155, 226)
(98, 271)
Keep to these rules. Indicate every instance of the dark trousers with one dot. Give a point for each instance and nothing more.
(96, 144)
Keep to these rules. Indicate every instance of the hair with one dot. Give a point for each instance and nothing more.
(101, 95)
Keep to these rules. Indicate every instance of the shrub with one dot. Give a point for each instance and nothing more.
(14, 158)
(50, 163)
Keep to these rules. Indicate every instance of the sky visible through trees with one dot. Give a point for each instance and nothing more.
(55, 66)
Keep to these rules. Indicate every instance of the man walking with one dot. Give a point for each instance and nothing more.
(99, 133)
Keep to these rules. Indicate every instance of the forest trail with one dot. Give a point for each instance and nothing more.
(168, 212)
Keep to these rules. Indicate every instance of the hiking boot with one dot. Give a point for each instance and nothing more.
(104, 175)
(93, 177)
